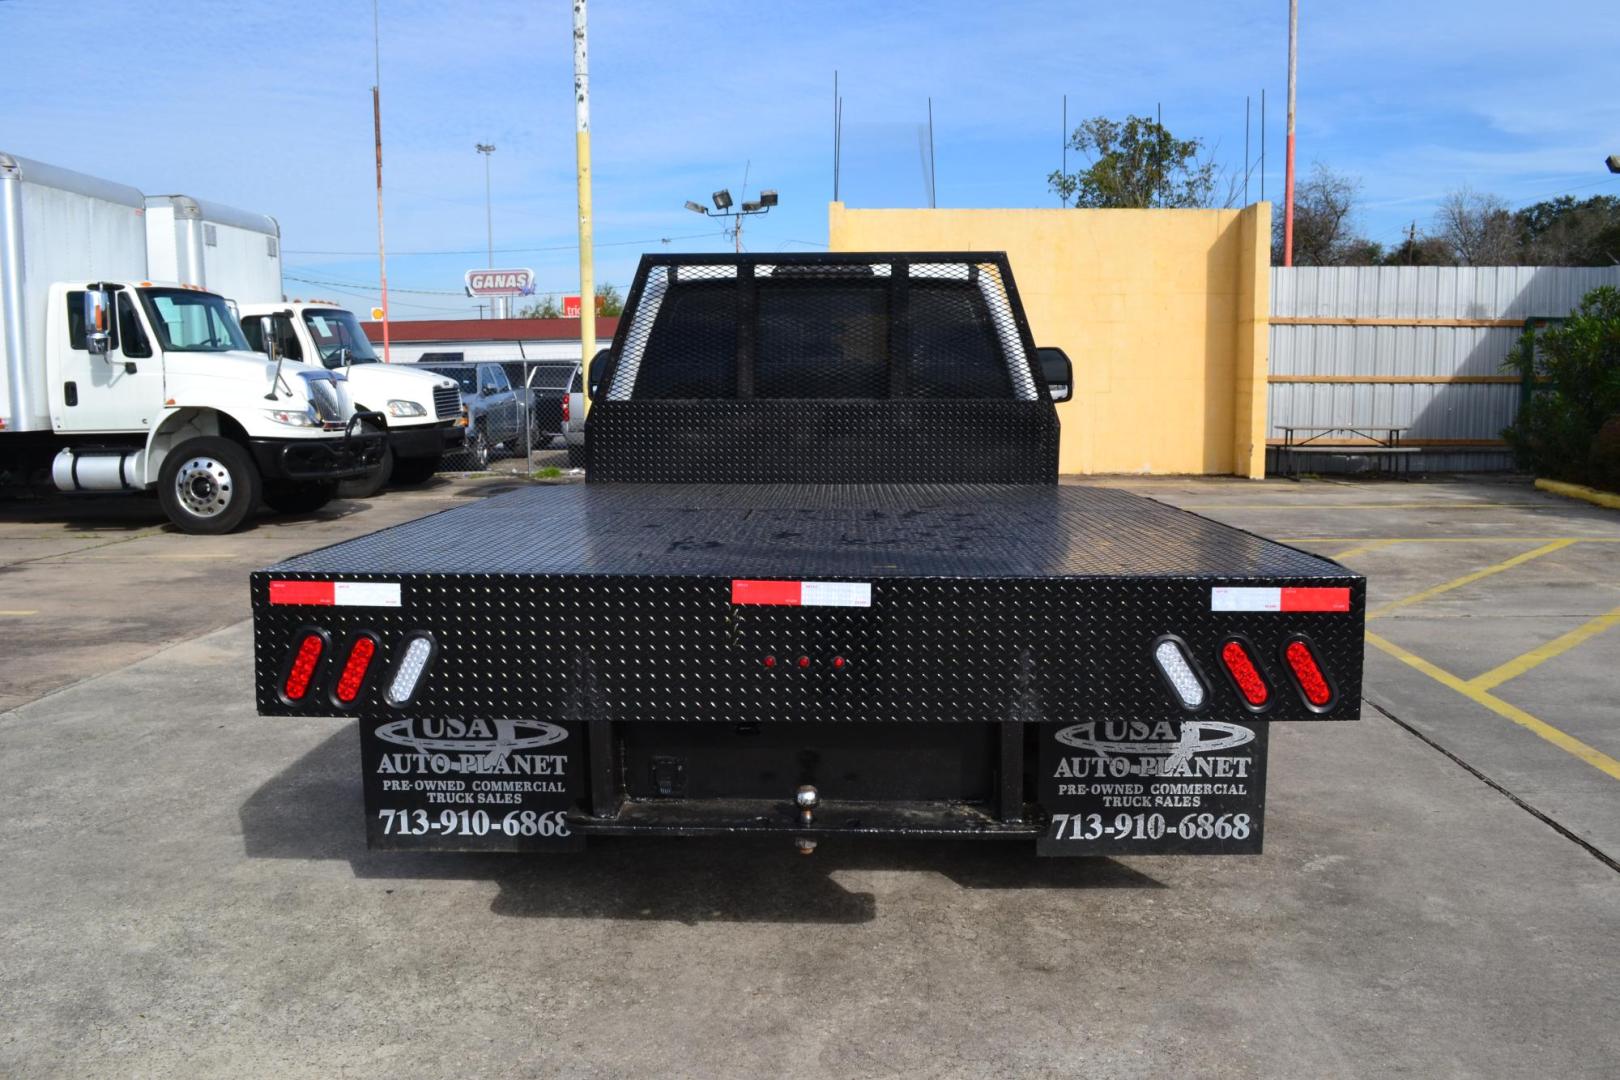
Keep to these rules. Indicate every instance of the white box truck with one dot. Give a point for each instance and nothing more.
(238, 254)
(116, 381)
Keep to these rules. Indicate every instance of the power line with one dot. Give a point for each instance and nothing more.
(507, 251)
(362, 289)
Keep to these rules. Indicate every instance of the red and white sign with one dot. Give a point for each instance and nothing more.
(803, 593)
(1222, 598)
(335, 593)
(571, 306)
(500, 282)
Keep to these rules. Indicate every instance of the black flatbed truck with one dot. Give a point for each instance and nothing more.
(821, 581)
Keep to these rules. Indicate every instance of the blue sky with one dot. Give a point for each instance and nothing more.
(266, 106)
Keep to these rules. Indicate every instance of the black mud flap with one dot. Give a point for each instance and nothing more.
(1153, 787)
(471, 785)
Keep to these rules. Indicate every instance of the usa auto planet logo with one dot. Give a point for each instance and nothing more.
(493, 743)
(1140, 738)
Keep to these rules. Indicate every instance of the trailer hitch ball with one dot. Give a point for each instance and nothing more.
(808, 799)
(805, 845)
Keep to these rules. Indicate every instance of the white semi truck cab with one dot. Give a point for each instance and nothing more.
(118, 383)
(423, 411)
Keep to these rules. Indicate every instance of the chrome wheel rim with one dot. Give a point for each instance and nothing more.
(204, 487)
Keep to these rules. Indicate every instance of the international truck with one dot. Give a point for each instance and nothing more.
(117, 380)
(237, 254)
(821, 582)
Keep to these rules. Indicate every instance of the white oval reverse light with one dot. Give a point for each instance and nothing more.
(1179, 673)
(413, 661)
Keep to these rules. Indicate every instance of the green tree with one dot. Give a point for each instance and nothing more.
(546, 307)
(1133, 164)
(608, 300)
(1569, 426)
(1564, 232)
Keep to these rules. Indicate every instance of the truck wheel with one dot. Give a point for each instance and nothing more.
(415, 470)
(208, 485)
(299, 496)
(478, 450)
(576, 456)
(364, 487)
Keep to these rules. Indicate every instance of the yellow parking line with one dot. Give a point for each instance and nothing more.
(1362, 549)
(1561, 644)
(1445, 539)
(1568, 743)
(1313, 505)
(1469, 579)
(5, 614)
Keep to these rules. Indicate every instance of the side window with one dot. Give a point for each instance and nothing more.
(254, 332)
(495, 378)
(287, 340)
(75, 321)
(136, 346)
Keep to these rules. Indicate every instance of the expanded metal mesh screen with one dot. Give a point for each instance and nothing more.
(823, 327)
(836, 368)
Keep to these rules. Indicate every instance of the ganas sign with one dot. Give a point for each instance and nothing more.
(500, 282)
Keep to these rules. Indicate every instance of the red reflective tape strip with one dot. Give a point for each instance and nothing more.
(1333, 599)
(766, 592)
(319, 593)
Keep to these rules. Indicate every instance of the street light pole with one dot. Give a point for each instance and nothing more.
(488, 149)
(1288, 178)
(582, 181)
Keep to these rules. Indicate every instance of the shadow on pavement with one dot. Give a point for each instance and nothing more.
(314, 810)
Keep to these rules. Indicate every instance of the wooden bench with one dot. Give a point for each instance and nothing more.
(1380, 443)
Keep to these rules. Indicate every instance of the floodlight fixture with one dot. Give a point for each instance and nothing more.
(696, 207)
(768, 196)
(722, 199)
(1613, 163)
(752, 207)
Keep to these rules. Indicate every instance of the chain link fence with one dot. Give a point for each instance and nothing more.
(514, 412)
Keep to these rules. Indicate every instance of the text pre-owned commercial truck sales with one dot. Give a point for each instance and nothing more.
(238, 254)
(118, 381)
(821, 581)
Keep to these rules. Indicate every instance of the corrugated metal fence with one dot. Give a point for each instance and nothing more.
(1419, 348)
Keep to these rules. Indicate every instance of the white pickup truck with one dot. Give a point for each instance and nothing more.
(116, 382)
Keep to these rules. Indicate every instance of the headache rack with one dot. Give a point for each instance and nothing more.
(827, 368)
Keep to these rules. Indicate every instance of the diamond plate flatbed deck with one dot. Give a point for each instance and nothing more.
(987, 603)
(808, 530)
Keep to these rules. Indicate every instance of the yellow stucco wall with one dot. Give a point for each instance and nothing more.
(1164, 313)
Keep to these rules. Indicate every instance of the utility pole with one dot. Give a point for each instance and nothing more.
(499, 309)
(582, 154)
(376, 132)
(1288, 179)
(1411, 244)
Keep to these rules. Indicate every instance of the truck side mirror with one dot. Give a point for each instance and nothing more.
(97, 321)
(598, 366)
(1057, 371)
(267, 336)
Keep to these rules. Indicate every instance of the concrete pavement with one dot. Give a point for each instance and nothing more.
(187, 891)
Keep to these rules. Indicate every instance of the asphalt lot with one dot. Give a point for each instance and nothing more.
(187, 890)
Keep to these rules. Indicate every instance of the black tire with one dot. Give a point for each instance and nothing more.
(576, 456)
(478, 451)
(208, 485)
(364, 487)
(299, 496)
(415, 470)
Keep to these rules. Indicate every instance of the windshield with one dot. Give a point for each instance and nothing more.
(333, 331)
(187, 320)
(466, 376)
